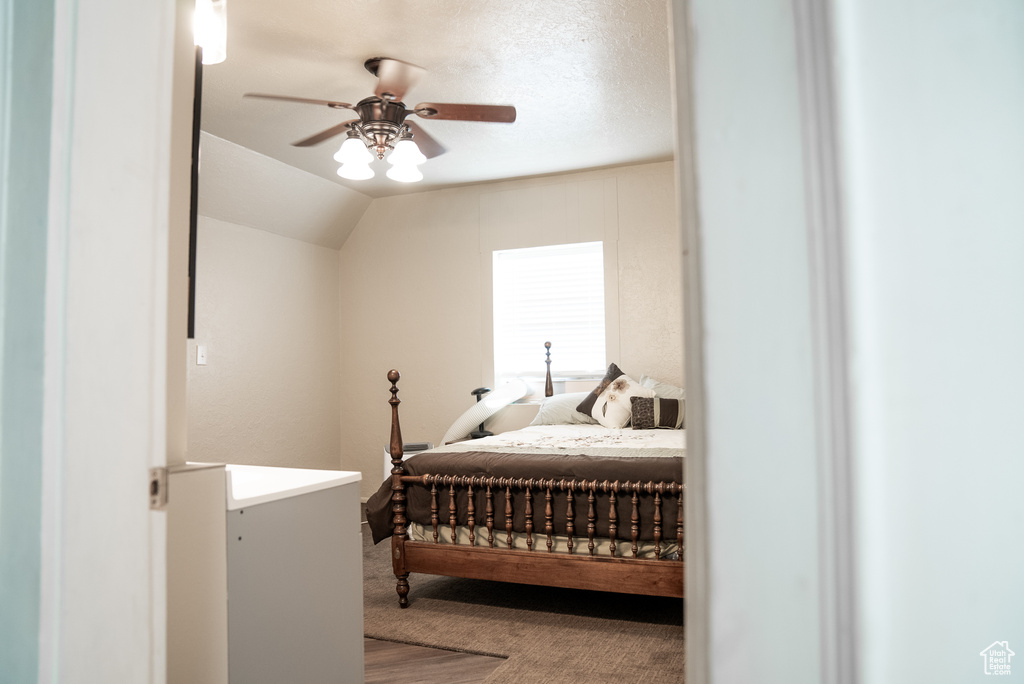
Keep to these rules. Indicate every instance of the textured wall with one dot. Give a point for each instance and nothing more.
(415, 286)
(267, 312)
(935, 210)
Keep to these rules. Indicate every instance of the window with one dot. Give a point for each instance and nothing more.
(551, 294)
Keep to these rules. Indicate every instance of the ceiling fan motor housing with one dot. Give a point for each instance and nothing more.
(380, 122)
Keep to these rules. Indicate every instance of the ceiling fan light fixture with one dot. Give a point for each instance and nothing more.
(210, 25)
(405, 173)
(406, 153)
(355, 171)
(353, 151)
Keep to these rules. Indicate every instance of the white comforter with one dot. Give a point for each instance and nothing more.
(571, 439)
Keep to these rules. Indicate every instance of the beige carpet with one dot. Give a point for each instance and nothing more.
(548, 635)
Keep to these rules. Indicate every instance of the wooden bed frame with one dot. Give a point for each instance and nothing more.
(539, 565)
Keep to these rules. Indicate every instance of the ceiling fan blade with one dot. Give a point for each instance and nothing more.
(395, 78)
(428, 146)
(467, 112)
(324, 135)
(303, 100)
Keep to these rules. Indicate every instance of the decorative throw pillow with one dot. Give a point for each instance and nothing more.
(609, 402)
(649, 413)
(662, 389)
(561, 410)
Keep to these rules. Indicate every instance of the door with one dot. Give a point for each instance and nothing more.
(84, 296)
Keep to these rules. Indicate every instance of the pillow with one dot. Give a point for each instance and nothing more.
(609, 402)
(560, 409)
(662, 389)
(650, 413)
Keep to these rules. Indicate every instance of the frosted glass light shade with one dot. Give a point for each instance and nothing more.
(211, 29)
(353, 171)
(406, 152)
(353, 151)
(405, 173)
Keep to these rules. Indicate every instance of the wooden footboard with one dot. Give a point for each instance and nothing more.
(490, 555)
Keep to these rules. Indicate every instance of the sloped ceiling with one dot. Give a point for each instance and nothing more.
(589, 78)
(241, 186)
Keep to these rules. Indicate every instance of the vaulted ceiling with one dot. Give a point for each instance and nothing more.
(589, 78)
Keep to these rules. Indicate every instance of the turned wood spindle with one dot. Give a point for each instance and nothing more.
(529, 518)
(434, 518)
(635, 520)
(570, 515)
(471, 512)
(549, 388)
(613, 517)
(549, 517)
(657, 522)
(679, 526)
(490, 516)
(453, 517)
(591, 517)
(508, 513)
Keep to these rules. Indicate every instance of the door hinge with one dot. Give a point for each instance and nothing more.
(157, 489)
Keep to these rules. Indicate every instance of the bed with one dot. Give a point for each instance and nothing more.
(569, 502)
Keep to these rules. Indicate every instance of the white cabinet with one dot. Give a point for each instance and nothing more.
(289, 562)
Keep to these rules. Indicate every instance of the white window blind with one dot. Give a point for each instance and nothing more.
(554, 294)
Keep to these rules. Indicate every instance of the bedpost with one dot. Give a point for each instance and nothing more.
(549, 389)
(398, 495)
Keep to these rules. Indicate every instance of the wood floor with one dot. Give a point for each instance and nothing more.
(387, 662)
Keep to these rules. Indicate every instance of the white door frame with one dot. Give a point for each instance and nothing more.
(696, 575)
(824, 242)
(103, 568)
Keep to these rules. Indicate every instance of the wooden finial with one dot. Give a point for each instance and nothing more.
(549, 388)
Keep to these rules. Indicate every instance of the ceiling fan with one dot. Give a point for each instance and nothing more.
(382, 125)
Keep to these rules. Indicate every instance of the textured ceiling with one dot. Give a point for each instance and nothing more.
(589, 78)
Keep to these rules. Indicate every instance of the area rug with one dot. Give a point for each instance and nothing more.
(556, 636)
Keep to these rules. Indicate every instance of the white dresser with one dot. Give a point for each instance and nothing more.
(264, 575)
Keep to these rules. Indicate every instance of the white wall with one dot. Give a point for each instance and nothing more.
(25, 83)
(267, 313)
(761, 470)
(929, 210)
(179, 205)
(415, 292)
(933, 97)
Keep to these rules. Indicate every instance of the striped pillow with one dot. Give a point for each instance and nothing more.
(657, 412)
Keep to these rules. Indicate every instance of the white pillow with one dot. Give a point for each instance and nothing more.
(560, 409)
(662, 389)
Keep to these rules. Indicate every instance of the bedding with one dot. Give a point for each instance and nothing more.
(655, 412)
(560, 409)
(669, 549)
(590, 452)
(662, 389)
(609, 402)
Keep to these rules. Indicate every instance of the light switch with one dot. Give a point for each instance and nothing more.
(200, 354)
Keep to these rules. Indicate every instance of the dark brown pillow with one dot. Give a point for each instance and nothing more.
(587, 405)
(657, 412)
